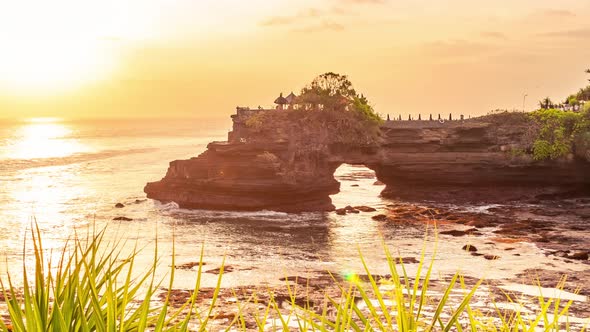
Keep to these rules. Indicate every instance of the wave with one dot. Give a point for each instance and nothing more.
(11, 165)
(174, 210)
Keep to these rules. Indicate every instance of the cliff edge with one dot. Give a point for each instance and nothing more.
(464, 160)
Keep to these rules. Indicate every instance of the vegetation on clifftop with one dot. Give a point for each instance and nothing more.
(329, 111)
(552, 133)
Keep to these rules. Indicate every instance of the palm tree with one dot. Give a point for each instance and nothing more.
(546, 103)
(588, 72)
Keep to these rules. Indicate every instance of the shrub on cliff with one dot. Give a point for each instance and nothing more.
(557, 132)
(328, 111)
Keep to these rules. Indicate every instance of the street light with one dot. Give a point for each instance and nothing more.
(523, 102)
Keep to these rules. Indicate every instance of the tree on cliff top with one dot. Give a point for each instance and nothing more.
(338, 115)
(334, 92)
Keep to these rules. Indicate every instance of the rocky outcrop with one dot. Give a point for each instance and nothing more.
(239, 176)
(469, 160)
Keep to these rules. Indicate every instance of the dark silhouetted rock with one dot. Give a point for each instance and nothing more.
(341, 212)
(581, 255)
(226, 269)
(491, 257)
(122, 219)
(469, 248)
(379, 217)
(189, 266)
(456, 232)
(363, 208)
(119, 205)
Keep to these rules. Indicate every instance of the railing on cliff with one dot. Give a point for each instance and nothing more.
(417, 124)
(433, 121)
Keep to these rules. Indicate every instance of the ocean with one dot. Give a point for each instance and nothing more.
(66, 177)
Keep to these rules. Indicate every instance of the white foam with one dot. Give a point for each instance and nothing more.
(553, 293)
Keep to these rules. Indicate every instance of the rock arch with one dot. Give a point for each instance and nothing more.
(426, 161)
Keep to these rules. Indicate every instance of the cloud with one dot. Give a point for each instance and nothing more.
(572, 34)
(558, 13)
(311, 20)
(455, 49)
(368, 2)
(494, 35)
(322, 26)
(306, 14)
(278, 20)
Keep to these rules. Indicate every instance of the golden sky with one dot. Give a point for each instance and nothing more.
(202, 58)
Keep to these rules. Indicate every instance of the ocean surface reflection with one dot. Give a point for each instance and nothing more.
(67, 177)
(42, 138)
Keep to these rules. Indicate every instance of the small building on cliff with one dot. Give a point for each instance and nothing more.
(281, 102)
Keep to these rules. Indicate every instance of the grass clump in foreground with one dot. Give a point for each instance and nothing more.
(91, 289)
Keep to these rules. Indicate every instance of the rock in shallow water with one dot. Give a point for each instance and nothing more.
(469, 248)
(379, 217)
(581, 255)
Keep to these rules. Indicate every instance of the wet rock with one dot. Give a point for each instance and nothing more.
(364, 208)
(476, 254)
(350, 209)
(582, 213)
(580, 255)
(478, 223)
(188, 266)
(122, 219)
(226, 269)
(378, 183)
(139, 201)
(341, 212)
(491, 257)
(456, 232)
(355, 185)
(547, 212)
(119, 205)
(380, 217)
(469, 248)
(296, 279)
(409, 260)
(223, 315)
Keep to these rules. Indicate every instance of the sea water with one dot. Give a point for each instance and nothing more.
(66, 177)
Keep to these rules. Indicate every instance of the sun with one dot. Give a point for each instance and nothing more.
(51, 46)
(52, 65)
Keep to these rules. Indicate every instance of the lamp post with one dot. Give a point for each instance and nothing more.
(523, 102)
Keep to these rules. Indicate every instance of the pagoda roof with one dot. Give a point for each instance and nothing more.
(281, 100)
(291, 98)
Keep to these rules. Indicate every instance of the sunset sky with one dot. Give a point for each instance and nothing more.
(202, 58)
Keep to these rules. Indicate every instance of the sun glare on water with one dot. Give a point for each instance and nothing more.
(44, 138)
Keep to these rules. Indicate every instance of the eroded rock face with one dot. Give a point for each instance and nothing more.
(461, 160)
(248, 177)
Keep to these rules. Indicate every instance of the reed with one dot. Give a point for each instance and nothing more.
(94, 287)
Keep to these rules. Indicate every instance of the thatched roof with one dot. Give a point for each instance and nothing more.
(291, 98)
(281, 100)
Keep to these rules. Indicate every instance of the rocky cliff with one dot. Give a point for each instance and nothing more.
(452, 161)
